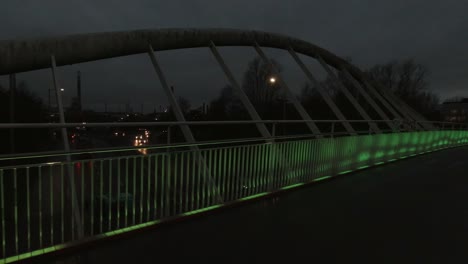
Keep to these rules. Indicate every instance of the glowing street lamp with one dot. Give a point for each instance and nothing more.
(272, 80)
(61, 89)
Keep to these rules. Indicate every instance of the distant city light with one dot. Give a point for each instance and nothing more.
(272, 80)
(61, 89)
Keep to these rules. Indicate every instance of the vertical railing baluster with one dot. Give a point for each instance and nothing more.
(62, 203)
(174, 194)
(181, 182)
(15, 200)
(244, 172)
(297, 157)
(101, 193)
(222, 172)
(240, 167)
(40, 207)
(134, 192)
(92, 198)
(193, 178)
(235, 172)
(206, 184)
(126, 193)
(263, 168)
(72, 178)
(51, 191)
(249, 169)
(202, 164)
(268, 161)
(148, 193)
(163, 194)
(211, 177)
(118, 193)
(28, 209)
(2, 206)
(187, 181)
(155, 185)
(255, 169)
(109, 201)
(215, 175)
(168, 189)
(141, 188)
(228, 174)
(82, 176)
(198, 179)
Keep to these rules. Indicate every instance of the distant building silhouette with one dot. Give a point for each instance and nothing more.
(455, 110)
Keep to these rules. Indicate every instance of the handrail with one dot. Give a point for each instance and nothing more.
(175, 123)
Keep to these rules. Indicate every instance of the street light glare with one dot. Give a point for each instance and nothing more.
(272, 80)
(61, 89)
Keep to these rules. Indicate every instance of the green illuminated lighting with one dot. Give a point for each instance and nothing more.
(364, 156)
(379, 154)
(322, 178)
(292, 186)
(253, 196)
(173, 184)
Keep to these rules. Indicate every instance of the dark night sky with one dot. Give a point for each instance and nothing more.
(433, 32)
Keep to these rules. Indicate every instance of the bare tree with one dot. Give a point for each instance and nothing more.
(408, 80)
(261, 86)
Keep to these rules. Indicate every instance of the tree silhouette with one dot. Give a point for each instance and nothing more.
(408, 80)
(28, 108)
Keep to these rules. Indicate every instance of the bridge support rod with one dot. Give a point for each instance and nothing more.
(242, 96)
(397, 112)
(348, 95)
(326, 97)
(172, 99)
(292, 97)
(180, 117)
(367, 97)
(383, 102)
(66, 146)
(417, 116)
(399, 105)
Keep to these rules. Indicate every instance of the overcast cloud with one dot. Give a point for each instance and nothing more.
(433, 32)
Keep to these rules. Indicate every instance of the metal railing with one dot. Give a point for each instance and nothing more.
(121, 193)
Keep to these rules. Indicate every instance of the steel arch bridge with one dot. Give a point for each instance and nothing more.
(190, 179)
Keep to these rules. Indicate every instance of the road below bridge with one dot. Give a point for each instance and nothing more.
(411, 211)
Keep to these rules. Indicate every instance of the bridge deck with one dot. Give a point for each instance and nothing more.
(414, 210)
